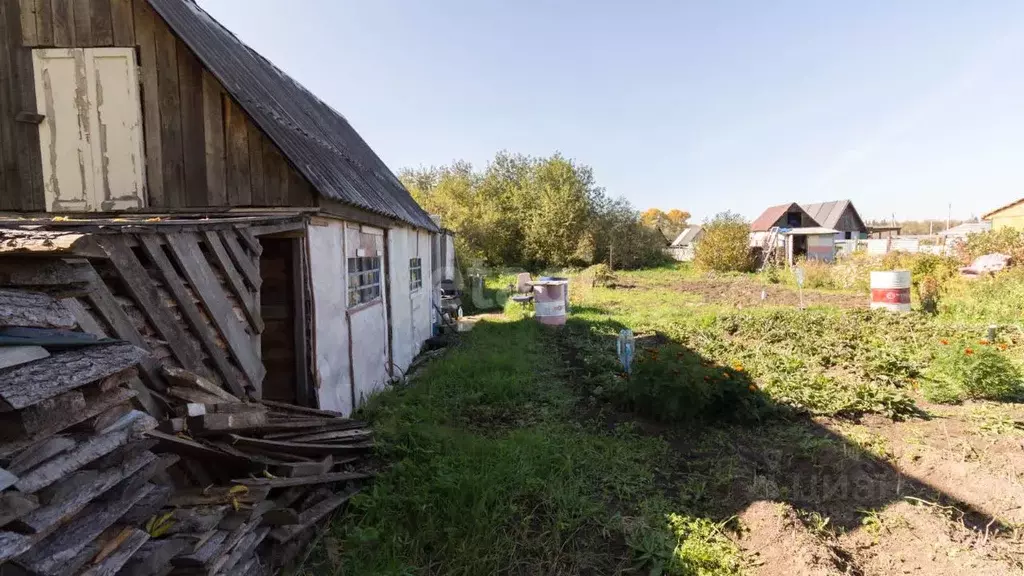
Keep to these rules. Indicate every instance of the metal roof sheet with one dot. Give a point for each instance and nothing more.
(687, 236)
(771, 215)
(828, 213)
(315, 138)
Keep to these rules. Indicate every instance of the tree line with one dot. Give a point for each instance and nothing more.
(536, 213)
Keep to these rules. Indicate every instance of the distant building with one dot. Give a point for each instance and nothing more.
(789, 215)
(682, 248)
(840, 215)
(963, 230)
(1009, 216)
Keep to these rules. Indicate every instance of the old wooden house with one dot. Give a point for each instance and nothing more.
(839, 215)
(119, 115)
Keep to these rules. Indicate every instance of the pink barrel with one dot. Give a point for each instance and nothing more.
(549, 301)
(891, 290)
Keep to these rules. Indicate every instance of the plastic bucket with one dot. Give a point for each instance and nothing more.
(549, 303)
(891, 290)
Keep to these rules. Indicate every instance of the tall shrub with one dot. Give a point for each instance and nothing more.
(1008, 241)
(725, 245)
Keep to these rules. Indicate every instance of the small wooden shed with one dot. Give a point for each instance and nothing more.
(152, 108)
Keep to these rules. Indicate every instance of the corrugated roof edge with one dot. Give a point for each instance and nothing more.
(406, 209)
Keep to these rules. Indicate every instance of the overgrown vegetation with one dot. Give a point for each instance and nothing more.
(1007, 241)
(725, 245)
(972, 370)
(535, 213)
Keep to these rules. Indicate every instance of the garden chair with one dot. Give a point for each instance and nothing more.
(522, 291)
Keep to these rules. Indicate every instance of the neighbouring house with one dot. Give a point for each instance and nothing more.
(840, 215)
(682, 248)
(764, 230)
(1009, 216)
(961, 232)
(312, 266)
(883, 232)
(811, 243)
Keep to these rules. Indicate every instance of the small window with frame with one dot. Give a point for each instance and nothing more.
(363, 280)
(415, 274)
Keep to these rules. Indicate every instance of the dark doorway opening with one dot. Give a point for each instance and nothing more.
(282, 304)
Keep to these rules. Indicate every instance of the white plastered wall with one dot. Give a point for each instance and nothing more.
(410, 309)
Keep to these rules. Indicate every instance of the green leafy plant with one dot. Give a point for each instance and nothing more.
(964, 370)
(725, 245)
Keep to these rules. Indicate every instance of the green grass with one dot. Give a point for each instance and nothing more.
(493, 470)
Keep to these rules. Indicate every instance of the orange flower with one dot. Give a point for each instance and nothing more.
(1003, 346)
(943, 341)
(752, 387)
(968, 351)
(983, 341)
(738, 367)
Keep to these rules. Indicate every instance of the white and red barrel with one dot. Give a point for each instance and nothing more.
(549, 301)
(890, 290)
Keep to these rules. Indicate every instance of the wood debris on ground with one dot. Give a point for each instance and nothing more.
(91, 484)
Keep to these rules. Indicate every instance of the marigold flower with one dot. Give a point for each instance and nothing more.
(1003, 346)
(738, 367)
(943, 341)
(968, 351)
(983, 342)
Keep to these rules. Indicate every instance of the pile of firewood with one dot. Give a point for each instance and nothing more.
(90, 485)
(74, 456)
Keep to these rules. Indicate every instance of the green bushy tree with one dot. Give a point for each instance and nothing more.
(725, 245)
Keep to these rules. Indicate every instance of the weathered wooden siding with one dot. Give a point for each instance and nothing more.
(201, 149)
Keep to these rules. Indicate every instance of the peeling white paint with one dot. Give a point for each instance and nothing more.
(91, 136)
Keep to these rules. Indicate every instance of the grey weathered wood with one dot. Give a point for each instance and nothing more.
(171, 426)
(251, 241)
(234, 408)
(42, 415)
(20, 308)
(13, 544)
(304, 393)
(107, 307)
(59, 467)
(219, 423)
(221, 555)
(190, 78)
(205, 553)
(153, 557)
(139, 480)
(195, 519)
(141, 287)
(93, 407)
(281, 517)
(190, 410)
(122, 22)
(11, 356)
(49, 556)
(45, 519)
(250, 270)
(238, 287)
(213, 132)
(285, 407)
(145, 24)
(57, 278)
(46, 243)
(170, 116)
(316, 468)
(242, 549)
(181, 377)
(192, 395)
(217, 495)
(248, 514)
(299, 448)
(66, 487)
(148, 505)
(193, 449)
(29, 384)
(302, 480)
(185, 249)
(155, 251)
(110, 565)
(353, 435)
(256, 179)
(100, 25)
(14, 505)
(35, 455)
(236, 149)
(7, 479)
(311, 516)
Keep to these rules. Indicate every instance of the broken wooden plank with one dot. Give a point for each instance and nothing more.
(45, 519)
(55, 278)
(301, 409)
(113, 563)
(204, 554)
(89, 450)
(241, 291)
(14, 505)
(190, 409)
(44, 243)
(11, 356)
(148, 505)
(312, 516)
(193, 449)
(50, 555)
(139, 480)
(185, 378)
(245, 547)
(94, 406)
(235, 408)
(246, 514)
(172, 425)
(220, 423)
(294, 469)
(21, 308)
(7, 479)
(186, 251)
(220, 556)
(303, 480)
(26, 385)
(353, 435)
(41, 415)
(141, 288)
(192, 395)
(299, 448)
(251, 272)
(281, 517)
(195, 519)
(35, 455)
(155, 251)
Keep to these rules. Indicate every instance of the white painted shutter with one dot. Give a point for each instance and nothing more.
(91, 136)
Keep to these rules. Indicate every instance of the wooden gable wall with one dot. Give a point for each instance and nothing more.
(202, 150)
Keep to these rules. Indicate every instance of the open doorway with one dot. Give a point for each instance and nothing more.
(282, 304)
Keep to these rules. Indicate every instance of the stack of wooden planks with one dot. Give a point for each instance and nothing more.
(90, 485)
(74, 455)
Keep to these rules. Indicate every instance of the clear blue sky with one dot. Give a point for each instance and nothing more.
(705, 106)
